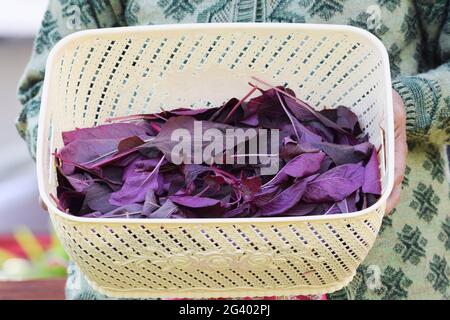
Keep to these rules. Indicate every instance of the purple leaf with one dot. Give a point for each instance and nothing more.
(79, 181)
(166, 211)
(91, 153)
(335, 184)
(372, 182)
(133, 210)
(299, 109)
(348, 204)
(240, 211)
(115, 131)
(301, 105)
(346, 139)
(112, 176)
(371, 199)
(320, 129)
(304, 135)
(290, 149)
(265, 195)
(221, 113)
(280, 178)
(194, 201)
(270, 112)
(140, 166)
(325, 165)
(163, 141)
(71, 201)
(332, 209)
(189, 112)
(283, 201)
(214, 181)
(301, 166)
(173, 182)
(303, 111)
(136, 187)
(342, 154)
(249, 187)
(83, 152)
(204, 207)
(129, 143)
(192, 171)
(344, 118)
(97, 198)
(304, 165)
(304, 209)
(150, 203)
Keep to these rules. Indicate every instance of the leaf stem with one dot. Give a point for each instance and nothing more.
(289, 116)
(202, 192)
(329, 210)
(238, 104)
(226, 174)
(322, 118)
(153, 171)
(112, 152)
(132, 117)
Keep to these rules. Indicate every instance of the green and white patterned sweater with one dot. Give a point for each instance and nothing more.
(410, 259)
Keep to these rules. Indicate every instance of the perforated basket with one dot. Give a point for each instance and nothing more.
(96, 74)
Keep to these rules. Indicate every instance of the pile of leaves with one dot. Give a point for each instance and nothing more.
(122, 169)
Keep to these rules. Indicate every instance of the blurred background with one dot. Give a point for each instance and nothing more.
(18, 189)
(27, 248)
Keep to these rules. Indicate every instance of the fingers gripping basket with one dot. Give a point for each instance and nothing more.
(93, 75)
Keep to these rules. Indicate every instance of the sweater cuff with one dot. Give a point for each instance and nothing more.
(420, 97)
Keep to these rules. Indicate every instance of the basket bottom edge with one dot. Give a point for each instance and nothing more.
(205, 293)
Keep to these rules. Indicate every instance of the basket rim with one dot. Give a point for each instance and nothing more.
(80, 35)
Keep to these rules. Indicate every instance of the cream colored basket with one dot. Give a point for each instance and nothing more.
(96, 74)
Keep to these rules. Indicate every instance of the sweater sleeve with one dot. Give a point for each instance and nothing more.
(61, 18)
(427, 95)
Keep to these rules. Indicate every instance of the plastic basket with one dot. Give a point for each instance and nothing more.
(96, 74)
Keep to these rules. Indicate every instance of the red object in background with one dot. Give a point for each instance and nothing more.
(51, 289)
(9, 244)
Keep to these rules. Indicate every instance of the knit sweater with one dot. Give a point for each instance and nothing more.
(410, 257)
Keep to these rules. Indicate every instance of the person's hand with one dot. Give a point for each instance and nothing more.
(401, 150)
